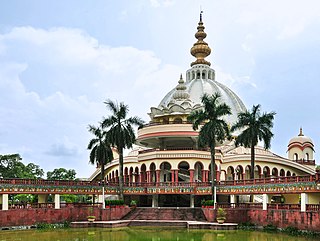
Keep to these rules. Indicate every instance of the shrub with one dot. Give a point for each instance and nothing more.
(114, 202)
(247, 226)
(270, 228)
(208, 203)
(221, 213)
(133, 203)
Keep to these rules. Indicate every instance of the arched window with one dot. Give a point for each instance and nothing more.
(295, 156)
(198, 75)
(204, 74)
(306, 157)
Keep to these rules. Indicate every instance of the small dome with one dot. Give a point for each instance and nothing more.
(300, 140)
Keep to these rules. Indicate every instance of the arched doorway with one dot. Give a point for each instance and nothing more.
(165, 172)
(198, 169)
(183, 172)
(153, 173)
(230, 173)
(266, 172)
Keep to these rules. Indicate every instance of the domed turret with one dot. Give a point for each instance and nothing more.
(300, 147)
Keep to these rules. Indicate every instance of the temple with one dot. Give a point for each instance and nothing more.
(168, 168)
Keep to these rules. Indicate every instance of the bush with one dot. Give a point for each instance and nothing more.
(221, 213)
(270, 228)
(133, 203)
(291, 230)
(247, 226)
(208, 203)
(114, 202)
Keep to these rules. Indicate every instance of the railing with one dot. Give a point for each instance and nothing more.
(291, 179)
(305, 162)
(153, 123)
(261, 181)
(174, 149)
(47, 182)
(162, 184)
(50, 205)
(282, 206)
(313, 207)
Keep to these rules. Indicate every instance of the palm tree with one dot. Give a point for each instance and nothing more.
(101, 152)
(214, 129)
(120, 132)
(255, 127)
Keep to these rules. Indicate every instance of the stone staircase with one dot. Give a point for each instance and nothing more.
(182, 214)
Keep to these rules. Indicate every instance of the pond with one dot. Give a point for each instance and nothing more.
(144, 234)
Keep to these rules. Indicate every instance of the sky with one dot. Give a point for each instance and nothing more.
(60, 60)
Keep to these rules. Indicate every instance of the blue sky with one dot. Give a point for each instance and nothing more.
(59, 60)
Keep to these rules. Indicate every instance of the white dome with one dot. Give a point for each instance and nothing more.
(196, 88)
(301, 139)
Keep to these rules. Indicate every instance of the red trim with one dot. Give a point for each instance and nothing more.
(170, 133)
(300, 146)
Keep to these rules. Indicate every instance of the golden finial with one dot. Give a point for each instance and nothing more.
(200, 49)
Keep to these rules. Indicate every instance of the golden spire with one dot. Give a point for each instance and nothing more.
(200, 49)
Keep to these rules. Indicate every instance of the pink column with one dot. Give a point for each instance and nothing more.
(176, 176)
(157, 176)
(148, 176)
(191, 171)
(172, 176)
(218, 176)
(203, 172)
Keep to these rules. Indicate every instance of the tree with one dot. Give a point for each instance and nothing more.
(101, 152)
(12, 167)
(61, 174)
(255, 127)
(213, 128)
(120, 132)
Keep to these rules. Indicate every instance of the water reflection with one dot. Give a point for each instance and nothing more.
(143, 234)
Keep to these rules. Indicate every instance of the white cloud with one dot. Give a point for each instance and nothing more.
(56, 85)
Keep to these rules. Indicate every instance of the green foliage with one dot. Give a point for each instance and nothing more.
(215, 128)
(133, 203)
(12, 167)
(23, 198)
(114, 202)
(120, 132)
(62, 174)
(270, 228)
(207, 203)
(46, 226)
(292, 231)
(221, 213)
(246, 226)
(101, 152)
(255, 127)
(318, 168)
